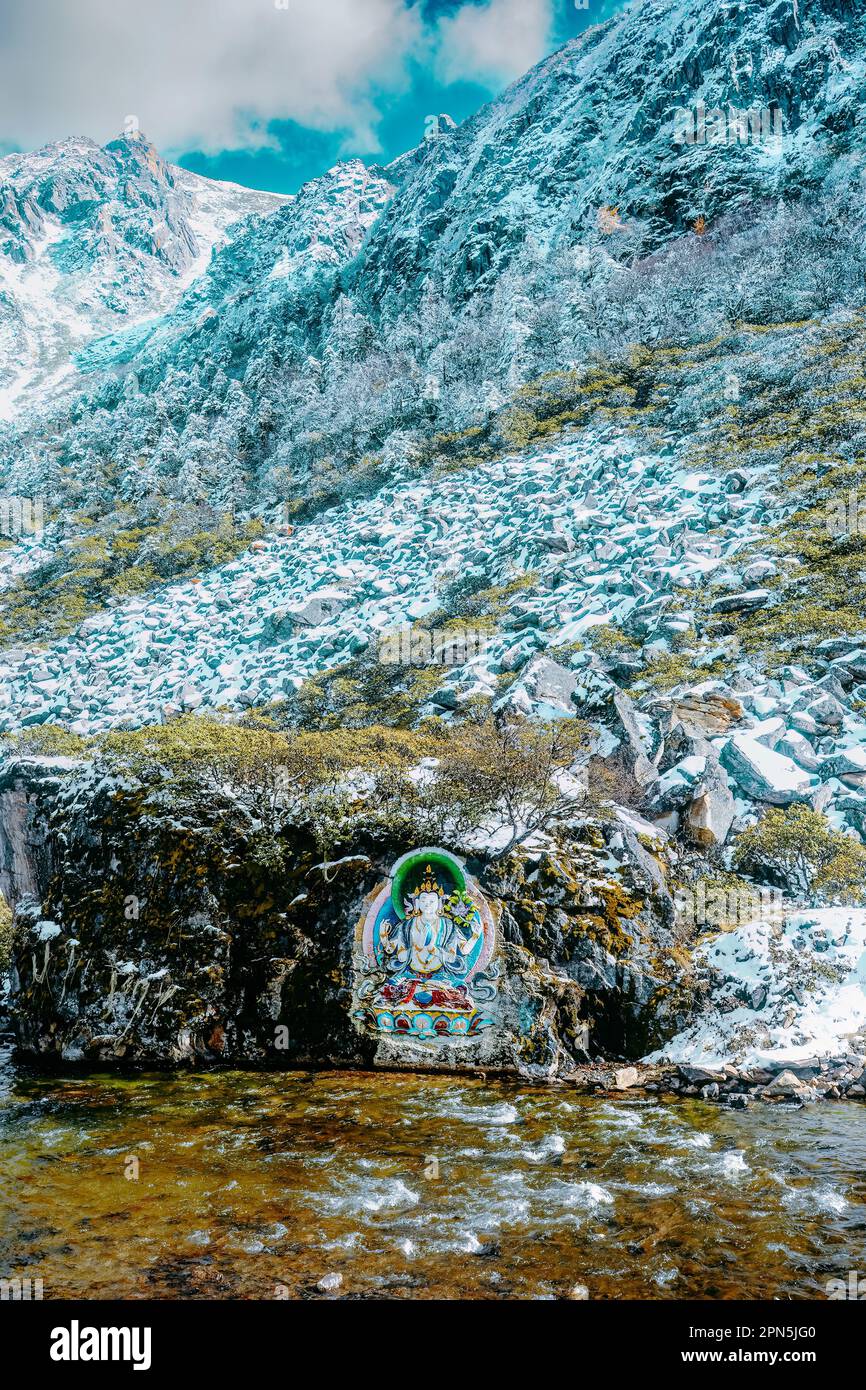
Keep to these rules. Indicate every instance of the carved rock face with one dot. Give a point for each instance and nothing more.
(263, 963)
(425, 944)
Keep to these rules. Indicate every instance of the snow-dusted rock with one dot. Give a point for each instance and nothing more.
(550, 686)
(628, 730)
(743, 602)
(711, 809)
(810, 973)
(764, 774)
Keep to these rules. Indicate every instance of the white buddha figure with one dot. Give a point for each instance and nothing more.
(428, 942)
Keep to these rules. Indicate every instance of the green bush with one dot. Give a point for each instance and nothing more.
(6, 931)
(358, 694)
(798, 846)
(45, 740)
(345, 783)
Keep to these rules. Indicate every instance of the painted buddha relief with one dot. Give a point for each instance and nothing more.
(425, 945)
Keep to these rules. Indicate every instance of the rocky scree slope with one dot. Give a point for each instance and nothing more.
(543, 551)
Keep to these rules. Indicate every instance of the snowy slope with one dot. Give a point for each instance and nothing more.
(593, 126)
(783, 992)
(607, 533)
(472, 214)
(590, 518)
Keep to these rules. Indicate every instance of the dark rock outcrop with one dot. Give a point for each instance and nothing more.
(165, 935)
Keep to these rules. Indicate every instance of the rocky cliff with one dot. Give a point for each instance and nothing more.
(167, 937)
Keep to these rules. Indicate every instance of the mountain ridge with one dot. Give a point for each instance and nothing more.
(541, 431)
(94, 239)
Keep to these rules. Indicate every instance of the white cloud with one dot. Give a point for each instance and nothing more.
(493, 42)
(200, 74)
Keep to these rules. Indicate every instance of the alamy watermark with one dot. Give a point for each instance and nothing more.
(22, 516)
(446, 646)
(730, 125)
(716, 905)
(20, 1290)
(854, 1287)
(77, 1343)
(847, 516)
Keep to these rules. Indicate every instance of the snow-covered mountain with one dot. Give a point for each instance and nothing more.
(599, 125)
(95, 241)
(560, 263)
(556, 223)
(581, 378)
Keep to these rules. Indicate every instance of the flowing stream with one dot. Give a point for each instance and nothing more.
(252, 1185)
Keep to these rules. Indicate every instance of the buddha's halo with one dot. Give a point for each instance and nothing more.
(420, 858)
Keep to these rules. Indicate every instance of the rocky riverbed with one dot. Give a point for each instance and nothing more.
(335, 1185)
(842, 1077)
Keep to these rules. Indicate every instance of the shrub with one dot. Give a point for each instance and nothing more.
(46, 740)
(505, 775)
(437, 783)
(6, 934)
(796, 846)
(609, 640)
(258, 764)
(360, 693)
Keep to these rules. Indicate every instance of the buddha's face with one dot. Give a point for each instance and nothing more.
(428, 905)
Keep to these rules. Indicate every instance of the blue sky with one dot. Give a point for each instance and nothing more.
(302, 152)
(267, 93)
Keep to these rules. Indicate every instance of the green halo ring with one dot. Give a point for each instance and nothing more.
(408, 865)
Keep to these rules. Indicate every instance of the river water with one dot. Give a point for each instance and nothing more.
(251, 1185)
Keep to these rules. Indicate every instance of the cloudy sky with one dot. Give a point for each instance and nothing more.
(266, 92)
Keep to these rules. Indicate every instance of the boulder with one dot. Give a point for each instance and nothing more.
(551, 685)
(794, 744)
(711, 811)
(679, 745)
(828, 711)
(833, 647)
(628, 730)
(676, 787)
(319, 608)
(190, 698)
(758, 570)
(763, 774)
(853, 666)
(846, 762)
(786, 1084)
(558, 542)
(278, 626)
(707, 715)
(854, 809)
(744, 602)
(699, 1076)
